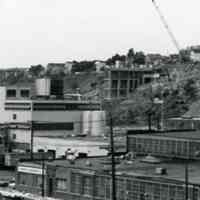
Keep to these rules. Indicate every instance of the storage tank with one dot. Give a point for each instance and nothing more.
(43, 87)
(87, 122)
(98, 123)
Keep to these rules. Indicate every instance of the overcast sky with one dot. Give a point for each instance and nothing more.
(42, 31)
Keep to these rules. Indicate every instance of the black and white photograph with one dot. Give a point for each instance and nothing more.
(99, 100)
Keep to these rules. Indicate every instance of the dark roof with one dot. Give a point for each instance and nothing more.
(136, 168)
(191, 135)
(56, 64)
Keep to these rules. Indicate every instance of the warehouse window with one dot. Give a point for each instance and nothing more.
(25, 93)
(14, 116)
(25, 179)
(61, 184)
(55, 126)
(87, 186)
(14, 136)
(76, 183)
(22, 179)
(11, 93)
(99, 186)
(108, 188)
(39, 181)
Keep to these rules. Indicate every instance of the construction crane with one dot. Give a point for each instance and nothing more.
(176, 44)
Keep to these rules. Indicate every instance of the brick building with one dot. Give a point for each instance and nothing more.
(135, 179)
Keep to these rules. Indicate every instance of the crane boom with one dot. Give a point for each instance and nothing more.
(176, 44)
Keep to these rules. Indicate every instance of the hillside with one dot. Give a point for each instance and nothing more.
(86, 82)
(178, 93)
(180, 90)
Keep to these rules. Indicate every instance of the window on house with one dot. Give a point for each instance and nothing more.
(25, 93)
(11, 93)
(14, 116)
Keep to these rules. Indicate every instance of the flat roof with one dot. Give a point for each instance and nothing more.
(136, 69)
(75, 138)
(50, 101)
(139, 169)
(191, 135)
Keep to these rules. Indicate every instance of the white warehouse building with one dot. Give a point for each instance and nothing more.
(49, 116)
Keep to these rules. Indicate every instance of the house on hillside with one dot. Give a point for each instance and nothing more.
(68, 67)
(190, 120)
(195, 54)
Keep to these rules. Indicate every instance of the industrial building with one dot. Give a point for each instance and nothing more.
(42, 110)
(90, 178)
(120, 82)
(179, 144)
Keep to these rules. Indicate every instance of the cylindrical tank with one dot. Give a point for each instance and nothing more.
(87, 122)
(43, 86)
(98, 123)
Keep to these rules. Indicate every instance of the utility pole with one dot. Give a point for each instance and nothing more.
(186, 180)
(43, 174)
(186, 171)
(112, 158)
(32, 135)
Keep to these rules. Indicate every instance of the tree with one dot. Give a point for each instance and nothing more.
(139, 58)
(83, 66)
(116, 57)
(35, 70)
(130, 57)
(130, 53)
(191, 90)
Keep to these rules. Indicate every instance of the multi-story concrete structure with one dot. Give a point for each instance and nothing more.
(119, 83)
(91, 179)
